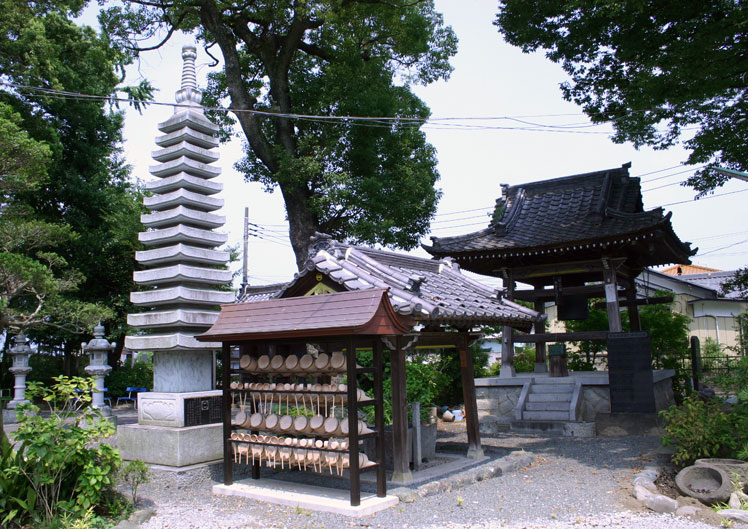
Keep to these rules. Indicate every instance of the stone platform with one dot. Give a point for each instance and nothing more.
(498, 398)
(306, 496)
(170, 446)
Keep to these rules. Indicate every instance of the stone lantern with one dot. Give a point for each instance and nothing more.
(20, 353)
(98, 350)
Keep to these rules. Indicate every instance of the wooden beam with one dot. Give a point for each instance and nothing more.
(591, 291)
(611, 295)
(401, 470)
(468, 393)
(639, 302)
(560, 337)
(540, 365)
(507, 345)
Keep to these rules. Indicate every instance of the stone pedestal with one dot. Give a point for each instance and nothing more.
(184, 371)
(167, 409)
(169, 446)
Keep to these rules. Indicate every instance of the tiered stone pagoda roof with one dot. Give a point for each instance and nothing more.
(431, 291)
(577, 217)
(182, 267)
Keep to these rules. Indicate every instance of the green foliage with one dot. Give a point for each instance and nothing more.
(653, 70)
(69, 216)
(69, 468)
(699, 429)
(524, 359)
(738, 284)
(18, 497)
(367, 184)
(134, 474)
(448, 375)
(139, 375)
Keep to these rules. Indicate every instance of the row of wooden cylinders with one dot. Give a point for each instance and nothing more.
(292, 363)
(298, 389)
(297, 425)
(295, 452)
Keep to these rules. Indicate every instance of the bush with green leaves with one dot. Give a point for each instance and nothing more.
(134, 474)
(706, 428)
(67, 463)
(139, 375)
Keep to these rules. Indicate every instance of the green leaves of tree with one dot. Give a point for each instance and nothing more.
(370, 182)
(655, 70)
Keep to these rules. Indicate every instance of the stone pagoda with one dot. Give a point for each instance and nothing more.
(182, 276)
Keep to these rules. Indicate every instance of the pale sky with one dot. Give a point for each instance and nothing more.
(491, 80)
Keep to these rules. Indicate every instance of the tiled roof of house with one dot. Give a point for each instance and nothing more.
(680, 269)
(567, 212)
(711, 280)
(427, 289)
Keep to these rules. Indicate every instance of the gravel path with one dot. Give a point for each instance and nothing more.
(577, 483)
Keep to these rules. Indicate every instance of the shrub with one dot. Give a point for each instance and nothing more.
(68, 467)
(140, 375)
(699, 428)
(134, 474)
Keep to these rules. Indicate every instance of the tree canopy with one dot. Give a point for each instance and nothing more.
(69, 216)
(658, 71)
(289, 65)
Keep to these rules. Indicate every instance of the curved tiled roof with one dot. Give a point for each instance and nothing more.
(564, 212)
(426, 289)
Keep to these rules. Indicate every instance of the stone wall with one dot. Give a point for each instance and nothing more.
(497, 397)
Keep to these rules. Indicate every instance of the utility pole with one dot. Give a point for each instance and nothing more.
(245, 283)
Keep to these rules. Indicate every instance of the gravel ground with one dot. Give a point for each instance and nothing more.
(577, 483)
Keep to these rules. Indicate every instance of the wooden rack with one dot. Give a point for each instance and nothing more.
(330, 451)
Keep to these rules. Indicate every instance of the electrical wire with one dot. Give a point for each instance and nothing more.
(703, 198)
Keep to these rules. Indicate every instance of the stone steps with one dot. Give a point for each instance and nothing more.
(548, 406)
(549, 397)
(545, 415)
(547, 388)
(548, 400)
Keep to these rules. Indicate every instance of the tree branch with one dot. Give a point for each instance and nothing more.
(240, 99)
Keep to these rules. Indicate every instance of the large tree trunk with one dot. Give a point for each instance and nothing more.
(301, 223)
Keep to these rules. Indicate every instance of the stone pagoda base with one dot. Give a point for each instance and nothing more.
(169, 446)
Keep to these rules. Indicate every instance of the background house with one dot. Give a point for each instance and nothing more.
(698, 296)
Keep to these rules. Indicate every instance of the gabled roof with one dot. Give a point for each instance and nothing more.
(712, 280)
(681, 269)
(363, 312)
(570, 214)
(427, 289)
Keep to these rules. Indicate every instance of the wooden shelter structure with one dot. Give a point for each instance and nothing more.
(284, 327)
(444, 303)
(571, 239)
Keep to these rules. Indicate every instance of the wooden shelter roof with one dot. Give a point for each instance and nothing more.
(429, 290)
(366, 312)
(572, 218)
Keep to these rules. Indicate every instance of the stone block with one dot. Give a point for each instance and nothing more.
(182, 371)
(173, 447)
(738, 515)
(579, 429)
(660, 503)
(687, 510)
(166, 409)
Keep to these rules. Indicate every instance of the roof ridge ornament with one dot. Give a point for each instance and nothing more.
(189, 94)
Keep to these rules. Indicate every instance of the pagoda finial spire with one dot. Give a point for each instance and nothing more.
(189, 93)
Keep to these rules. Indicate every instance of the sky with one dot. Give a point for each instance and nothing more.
(491, 79)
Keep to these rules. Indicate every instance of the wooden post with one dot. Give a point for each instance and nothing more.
(540, 365)
(468, 393)
(379, 419)
(353, 449)
(507, 341)
(228, 462)
(611, 297)
(632, 307)
(401, 472)
(415, 421)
